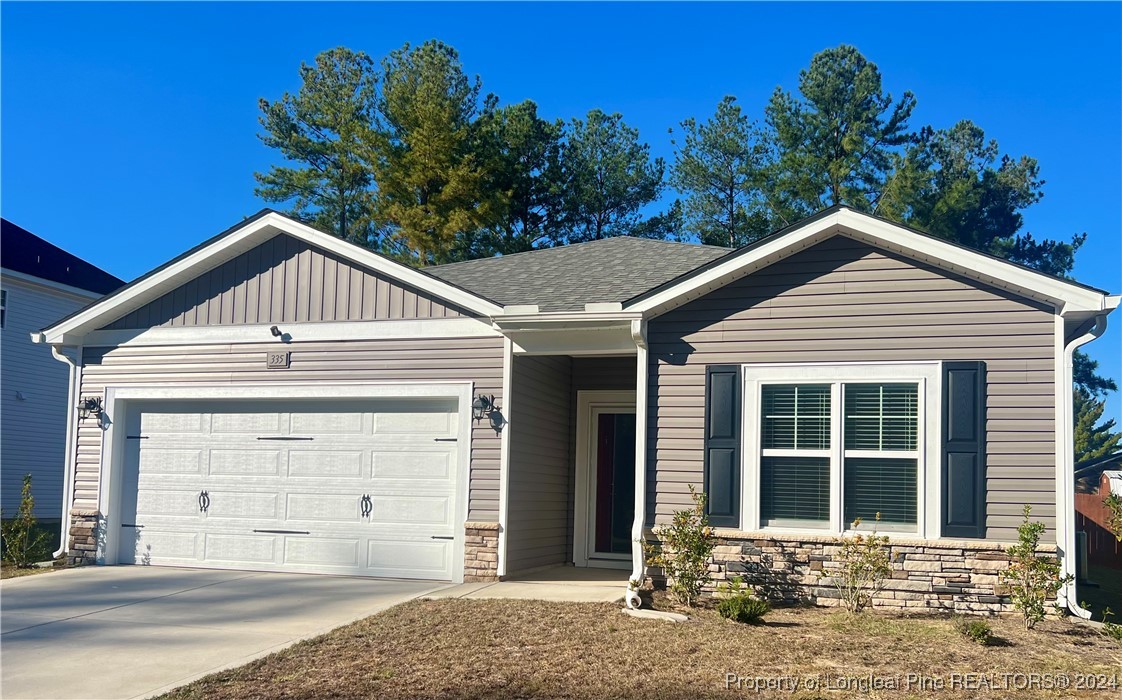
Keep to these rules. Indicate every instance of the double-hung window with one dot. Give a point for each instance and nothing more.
(827, 445)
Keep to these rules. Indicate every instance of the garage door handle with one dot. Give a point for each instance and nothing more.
(204, 501)
(285, 438)
(444, 439)
(440, 537)
(365, 505)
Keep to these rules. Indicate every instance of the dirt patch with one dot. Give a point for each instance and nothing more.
(7, 571)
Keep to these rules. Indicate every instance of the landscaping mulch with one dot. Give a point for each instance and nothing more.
(529, 649)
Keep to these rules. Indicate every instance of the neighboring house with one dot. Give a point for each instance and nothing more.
(1093, 519)
(39, 283)
(279, 399)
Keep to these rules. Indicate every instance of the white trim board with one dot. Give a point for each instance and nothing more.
(234, 243)
(588, 402)
(119, 399)
(294, 332)
(1064, 296)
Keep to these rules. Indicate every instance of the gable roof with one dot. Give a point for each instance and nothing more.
(23, 252)
(1067, 296)
(251, 232)
(568, 277)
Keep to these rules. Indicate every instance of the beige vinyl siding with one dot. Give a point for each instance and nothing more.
(539, 494)
(845, 301)
(285, 280)
(478, 360)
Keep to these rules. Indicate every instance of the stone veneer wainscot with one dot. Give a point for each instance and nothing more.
(481, 552)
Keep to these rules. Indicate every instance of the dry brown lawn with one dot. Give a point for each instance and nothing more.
(8, 571)
(527, 649)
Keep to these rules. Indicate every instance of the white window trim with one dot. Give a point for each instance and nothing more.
(929, 377)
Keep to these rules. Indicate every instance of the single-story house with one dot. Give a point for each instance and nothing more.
(279, 399)
(39, 283)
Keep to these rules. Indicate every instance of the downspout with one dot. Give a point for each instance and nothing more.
(71, 437)
(638, 562)
(1065, 481)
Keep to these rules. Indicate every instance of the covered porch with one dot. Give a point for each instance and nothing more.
(570, 492)
(563, 584)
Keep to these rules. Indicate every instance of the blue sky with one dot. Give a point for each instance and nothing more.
(129, 130)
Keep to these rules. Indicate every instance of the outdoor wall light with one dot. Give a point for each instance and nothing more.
(484, 407)
(89, 406)
(276, 332)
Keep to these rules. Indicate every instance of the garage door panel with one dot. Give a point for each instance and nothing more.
(325, 464)
(246, 423)
(323, 507)
(170, 503)
(409, 558)
(402, 509)
(171, 545)
(171, 423)
(413, 465)
(422, 422)
(321, 551)
(158, 460)
(247, 505)
(244, 462)
(261, 549)
(329, 423)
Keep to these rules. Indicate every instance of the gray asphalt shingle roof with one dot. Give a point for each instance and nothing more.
(568, 277)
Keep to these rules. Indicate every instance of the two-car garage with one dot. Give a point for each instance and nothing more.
(353, 485)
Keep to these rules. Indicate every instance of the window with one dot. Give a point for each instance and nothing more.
(3, 308)
(826, 445)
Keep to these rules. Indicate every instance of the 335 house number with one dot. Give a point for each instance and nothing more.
(277, 360)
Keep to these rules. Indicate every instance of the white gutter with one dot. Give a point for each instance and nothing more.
(1065, 458)
(71, 438)
(638, 563)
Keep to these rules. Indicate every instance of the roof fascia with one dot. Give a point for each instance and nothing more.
(235, 242)
(1067, 298)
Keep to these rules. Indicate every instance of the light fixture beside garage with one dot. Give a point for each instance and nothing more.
(89, 406)
(484, 406)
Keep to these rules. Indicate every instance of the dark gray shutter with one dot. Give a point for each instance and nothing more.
(722, 444)
(964, 449)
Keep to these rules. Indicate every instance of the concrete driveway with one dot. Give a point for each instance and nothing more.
(132, 631)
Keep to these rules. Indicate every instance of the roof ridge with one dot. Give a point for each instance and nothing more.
(568, 246)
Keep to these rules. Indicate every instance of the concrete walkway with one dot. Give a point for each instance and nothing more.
(568, 584)
(132, 631)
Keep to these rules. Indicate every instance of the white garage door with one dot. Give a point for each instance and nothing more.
(343, 487)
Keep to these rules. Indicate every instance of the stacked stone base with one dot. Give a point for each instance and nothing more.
(481, 552)
(937, 576)
(83, 537)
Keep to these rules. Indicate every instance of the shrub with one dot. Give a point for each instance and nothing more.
(739, 605)
(975, 629)
(1111, 630)
(684, 550)
(1113, 503)
(24, 545)
(1032, 579)
(864, 566)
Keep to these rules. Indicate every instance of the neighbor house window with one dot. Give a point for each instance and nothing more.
(829, 445)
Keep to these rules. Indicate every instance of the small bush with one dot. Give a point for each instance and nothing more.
(1111, 630)
(24, 544)
(738, 604)
(684, 551)
(1113, 503)
(865, 565)
(975, 629)
(1032, 579)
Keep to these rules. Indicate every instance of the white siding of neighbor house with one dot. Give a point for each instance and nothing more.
(33, 429)
(846, 301)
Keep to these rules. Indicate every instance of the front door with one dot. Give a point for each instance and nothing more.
(613, 505)
(605, 498)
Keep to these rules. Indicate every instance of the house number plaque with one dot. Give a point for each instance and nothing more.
(277, 360)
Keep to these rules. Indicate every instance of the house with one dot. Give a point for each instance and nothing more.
(278, 399)
(1093, 522)
(39, 283)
